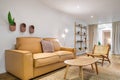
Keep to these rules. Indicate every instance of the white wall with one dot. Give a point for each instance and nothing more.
(47, 22)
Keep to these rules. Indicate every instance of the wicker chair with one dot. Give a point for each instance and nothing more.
(101, 51)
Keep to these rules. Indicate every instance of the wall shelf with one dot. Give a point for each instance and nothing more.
(80, 38)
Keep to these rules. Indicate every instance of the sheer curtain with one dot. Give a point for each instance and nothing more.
(92, 36)
(116, 37)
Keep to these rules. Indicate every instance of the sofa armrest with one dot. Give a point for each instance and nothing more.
(69, 49)
(19, 63)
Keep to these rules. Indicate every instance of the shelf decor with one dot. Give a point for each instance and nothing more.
(80, 38)
(12, 24)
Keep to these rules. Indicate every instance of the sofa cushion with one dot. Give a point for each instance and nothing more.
(47, 46)
(42, 59)
(29, 43)
(64, 55)
(55, 43)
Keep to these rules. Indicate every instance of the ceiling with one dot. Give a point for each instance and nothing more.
(103, 11)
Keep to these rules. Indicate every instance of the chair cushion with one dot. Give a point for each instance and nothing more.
(47, 46)
(29, 44)
(55, 43)
(42, 59)
(64, 55)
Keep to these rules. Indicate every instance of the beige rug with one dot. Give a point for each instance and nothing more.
(73, 74)
(106, 72)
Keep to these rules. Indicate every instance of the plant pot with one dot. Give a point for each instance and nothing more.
(12, 27)
(85, 48)
(80, 48)
(31, 29)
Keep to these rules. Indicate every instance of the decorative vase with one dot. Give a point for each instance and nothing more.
(31, 29)
(12, 27)
(22, 27)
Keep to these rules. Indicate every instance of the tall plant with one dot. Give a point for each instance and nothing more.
(10, 19)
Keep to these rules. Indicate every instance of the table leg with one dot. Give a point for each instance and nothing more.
(66, 71)
(92, 66)
(96, 68)
(81, 71)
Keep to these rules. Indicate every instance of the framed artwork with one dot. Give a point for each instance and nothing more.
(31, 29)
(22, 27)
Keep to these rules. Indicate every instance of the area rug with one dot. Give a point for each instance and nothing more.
(73, 74)
(106, 72)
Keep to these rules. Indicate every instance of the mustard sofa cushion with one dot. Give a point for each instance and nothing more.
(29, 43)
(64, 55)
(45, 59)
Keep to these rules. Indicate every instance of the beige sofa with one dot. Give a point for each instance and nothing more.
(28, 61)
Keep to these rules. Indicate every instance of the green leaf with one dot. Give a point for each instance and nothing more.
(10, 20)
(99, 43)
(13, 19)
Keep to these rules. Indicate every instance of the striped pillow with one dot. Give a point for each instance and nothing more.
(47, 46)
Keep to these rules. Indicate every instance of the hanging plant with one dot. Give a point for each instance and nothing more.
(12, 24)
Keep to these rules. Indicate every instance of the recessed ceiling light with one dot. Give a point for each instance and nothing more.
(78, 6)
(91, 16)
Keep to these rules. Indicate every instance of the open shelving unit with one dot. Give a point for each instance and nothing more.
(80, 38)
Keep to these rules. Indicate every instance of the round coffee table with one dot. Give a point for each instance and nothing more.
(82, 61)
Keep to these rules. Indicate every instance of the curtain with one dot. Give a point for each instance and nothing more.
(116, 37)
(92, 36)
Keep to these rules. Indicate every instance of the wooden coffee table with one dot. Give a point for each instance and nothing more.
(80, 62)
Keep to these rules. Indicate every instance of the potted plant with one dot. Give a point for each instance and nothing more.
(12, 24)
(99, 43)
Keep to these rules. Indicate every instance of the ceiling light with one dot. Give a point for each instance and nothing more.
(91, 16)
(78, 6)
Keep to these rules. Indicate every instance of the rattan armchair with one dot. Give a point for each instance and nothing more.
(101, 51)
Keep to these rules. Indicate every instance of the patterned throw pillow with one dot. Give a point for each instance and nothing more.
(47, 46)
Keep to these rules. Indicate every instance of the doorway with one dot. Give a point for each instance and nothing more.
(106, 37)
(105, 34)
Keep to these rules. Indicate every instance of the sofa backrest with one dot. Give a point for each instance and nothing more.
(55, 43)
(29, 43)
